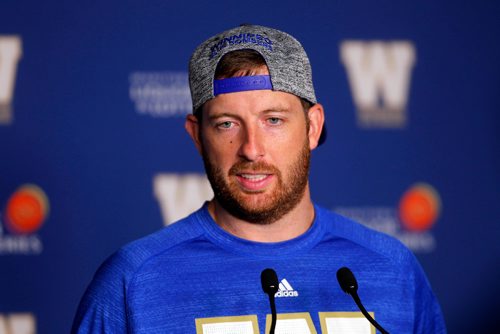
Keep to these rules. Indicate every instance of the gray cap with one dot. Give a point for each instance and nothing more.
(285, 57)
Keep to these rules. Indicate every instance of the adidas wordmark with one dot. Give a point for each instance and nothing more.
(286, 290)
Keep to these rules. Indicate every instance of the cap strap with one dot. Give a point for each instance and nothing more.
(240, 84)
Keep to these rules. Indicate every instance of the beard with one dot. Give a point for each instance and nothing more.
(263, 209)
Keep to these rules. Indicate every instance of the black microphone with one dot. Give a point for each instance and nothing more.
(269, 281)
(349, 285)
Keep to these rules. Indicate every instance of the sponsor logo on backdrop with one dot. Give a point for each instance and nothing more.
(24, 214)
(160, 94)
(411, 221)
(10, 53)
(180, 194)
(379, 75)
(17, 323)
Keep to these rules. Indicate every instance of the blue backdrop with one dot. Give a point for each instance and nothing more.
(93, 153)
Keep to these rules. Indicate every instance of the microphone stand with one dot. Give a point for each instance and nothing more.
(269, 281)
(367, 315)
(273, 313)
(349, 285)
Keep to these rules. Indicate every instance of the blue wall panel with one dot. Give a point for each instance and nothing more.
(92, 142)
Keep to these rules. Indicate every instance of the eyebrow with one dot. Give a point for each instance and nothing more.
(220, 115)
(279, 109)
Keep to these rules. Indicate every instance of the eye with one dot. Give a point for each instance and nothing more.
(274, 120)
(225, 125)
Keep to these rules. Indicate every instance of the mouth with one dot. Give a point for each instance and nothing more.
(254, 177)
(254, 182)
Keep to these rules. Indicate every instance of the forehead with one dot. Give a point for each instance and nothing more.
(253, 102)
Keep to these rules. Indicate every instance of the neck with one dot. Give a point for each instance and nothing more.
(293, 224)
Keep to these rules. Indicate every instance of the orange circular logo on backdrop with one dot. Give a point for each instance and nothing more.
(419, 207)
(26, 209)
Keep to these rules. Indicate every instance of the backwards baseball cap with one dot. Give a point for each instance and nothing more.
(288, 64)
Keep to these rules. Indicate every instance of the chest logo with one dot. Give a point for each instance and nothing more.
(286, 290)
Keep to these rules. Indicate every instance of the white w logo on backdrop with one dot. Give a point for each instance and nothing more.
(22, 323)
(10, 53)
(180, 194)
(379, 76)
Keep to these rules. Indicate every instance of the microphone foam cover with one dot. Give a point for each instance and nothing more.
(269, 281)
(347, 280)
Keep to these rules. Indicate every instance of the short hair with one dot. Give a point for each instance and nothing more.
(239, 63)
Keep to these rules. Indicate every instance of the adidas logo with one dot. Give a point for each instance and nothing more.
(286, 290)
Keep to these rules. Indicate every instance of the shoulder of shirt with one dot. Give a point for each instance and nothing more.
(129, 258)
(338, 226)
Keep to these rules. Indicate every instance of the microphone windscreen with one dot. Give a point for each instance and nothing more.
(347, 280)
(269, 281)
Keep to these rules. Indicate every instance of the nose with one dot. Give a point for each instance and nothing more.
(252, 144)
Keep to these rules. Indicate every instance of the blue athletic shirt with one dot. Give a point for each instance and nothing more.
(194, 277)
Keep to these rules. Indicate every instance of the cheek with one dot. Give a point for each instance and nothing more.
(295, 138)
(219, 153)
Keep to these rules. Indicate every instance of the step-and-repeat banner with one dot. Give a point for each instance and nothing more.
(93, 153)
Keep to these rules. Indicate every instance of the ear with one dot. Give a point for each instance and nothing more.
(192, 127)
(316, 116)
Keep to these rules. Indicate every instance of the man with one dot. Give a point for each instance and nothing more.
(255, 122)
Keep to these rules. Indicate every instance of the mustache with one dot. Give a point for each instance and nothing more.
(260, 166)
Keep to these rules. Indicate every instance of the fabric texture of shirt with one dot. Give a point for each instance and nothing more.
(193, 272)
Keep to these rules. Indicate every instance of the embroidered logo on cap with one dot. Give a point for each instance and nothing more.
(243, 38)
